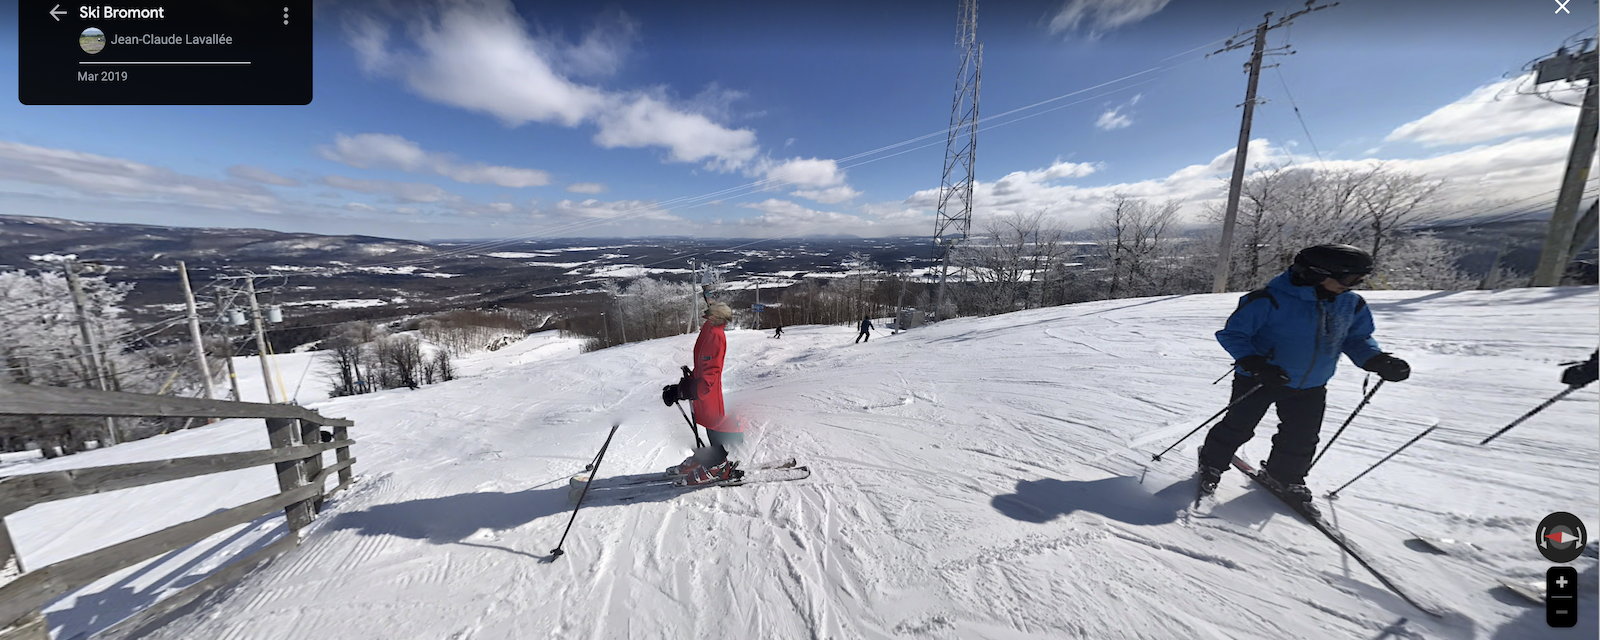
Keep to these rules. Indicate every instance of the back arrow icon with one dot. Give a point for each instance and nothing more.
(54, 13)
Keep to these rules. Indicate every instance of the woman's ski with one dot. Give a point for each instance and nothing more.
(1311, 515)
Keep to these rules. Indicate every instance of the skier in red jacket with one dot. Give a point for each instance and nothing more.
(703, 388)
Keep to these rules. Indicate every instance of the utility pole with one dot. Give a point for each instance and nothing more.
(233, 376)
(1558, 238)
(1258, 41)
(261, 339)
(1586, 228)
(694, 306)
(952, 224)
(70, 265)
(194, 332)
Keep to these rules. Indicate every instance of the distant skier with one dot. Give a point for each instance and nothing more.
(866, 331)
(1286, 338)
(703, 387)
(778, 333)
(1582, 374)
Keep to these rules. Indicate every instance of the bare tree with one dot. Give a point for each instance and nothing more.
(1393, 200)
(1134, 241)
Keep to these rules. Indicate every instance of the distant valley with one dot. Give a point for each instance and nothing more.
(328, 279)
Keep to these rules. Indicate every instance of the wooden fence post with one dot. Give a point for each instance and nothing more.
(340, 455)
(31, 626)
(282, 433)
(311, 432)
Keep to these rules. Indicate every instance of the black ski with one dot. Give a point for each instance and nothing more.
(659, 476)
(636, 490)
(1311, 515)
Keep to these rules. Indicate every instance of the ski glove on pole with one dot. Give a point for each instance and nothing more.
(1388, 367)
(1263, 371)
(684, 390)
(1580, 375)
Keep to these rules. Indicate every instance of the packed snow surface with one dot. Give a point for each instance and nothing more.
(978, 478)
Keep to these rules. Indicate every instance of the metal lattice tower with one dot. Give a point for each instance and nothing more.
(961, 147)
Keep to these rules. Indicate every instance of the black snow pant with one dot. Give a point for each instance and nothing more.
(863, 336)
(1299, 417)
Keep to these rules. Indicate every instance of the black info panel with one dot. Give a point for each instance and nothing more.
(164, 52)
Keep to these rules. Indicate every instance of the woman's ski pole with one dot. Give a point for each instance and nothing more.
(1335, 493)
(556, 552)
(1336, 434)
(692, 428)
(1157, 457)
(1529, 414)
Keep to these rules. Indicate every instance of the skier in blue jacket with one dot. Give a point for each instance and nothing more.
(1286, 339)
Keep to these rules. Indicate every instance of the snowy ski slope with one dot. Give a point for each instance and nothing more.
(981, 478)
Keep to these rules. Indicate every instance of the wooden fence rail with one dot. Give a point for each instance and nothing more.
(296, 456)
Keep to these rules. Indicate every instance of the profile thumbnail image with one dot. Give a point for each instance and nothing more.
(92, 40)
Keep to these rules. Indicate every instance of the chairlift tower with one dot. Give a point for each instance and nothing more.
(960, 154)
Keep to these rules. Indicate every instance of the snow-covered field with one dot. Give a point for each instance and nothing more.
(304, 377)
(979, 478)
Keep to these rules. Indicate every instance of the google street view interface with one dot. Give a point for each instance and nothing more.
(832, 319)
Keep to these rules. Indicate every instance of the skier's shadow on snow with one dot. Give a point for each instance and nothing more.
(1121, 498)
(453, 519)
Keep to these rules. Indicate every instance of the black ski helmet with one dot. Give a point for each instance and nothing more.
(1313, 264)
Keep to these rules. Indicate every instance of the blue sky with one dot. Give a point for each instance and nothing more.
(494, 119)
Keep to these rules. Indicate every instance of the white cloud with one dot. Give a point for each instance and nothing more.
(802, 172)
(642, 120)
(1025, 192)
(783, 213)
(586, 187)
(599, 209)
(1118, 117)
(831, 195)
(896, 215)
(822, 178)
(369, 150)
(1493, 111)
(602, 50)
(1101, 16)
(258, 174)
(98, 175)
(408, 191)
(478, 55)
(1113, 119)
(1021, 181)
(1477, 178)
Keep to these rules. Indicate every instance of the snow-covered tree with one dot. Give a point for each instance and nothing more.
(41, 344)
(1421, 261)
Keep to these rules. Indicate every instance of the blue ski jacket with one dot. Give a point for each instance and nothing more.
(1296, 330)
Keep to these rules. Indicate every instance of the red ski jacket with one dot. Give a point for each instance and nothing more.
(709, 350)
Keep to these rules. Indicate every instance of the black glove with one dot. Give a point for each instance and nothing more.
(688, 390)
(669, 395)
(1580, 375)
(1388, 367)
(1263, 371)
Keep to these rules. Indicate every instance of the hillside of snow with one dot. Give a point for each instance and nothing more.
(979, 478)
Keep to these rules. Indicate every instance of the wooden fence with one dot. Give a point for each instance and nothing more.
(296, 453)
